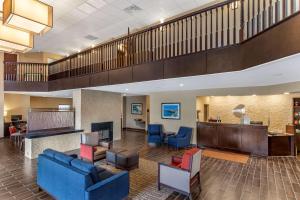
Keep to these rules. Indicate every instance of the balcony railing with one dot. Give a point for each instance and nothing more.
(28, 72)
(225, 24)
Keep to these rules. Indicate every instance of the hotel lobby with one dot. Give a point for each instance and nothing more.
(150, 100)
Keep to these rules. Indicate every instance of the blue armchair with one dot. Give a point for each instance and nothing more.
(155, 133)
(182, 139)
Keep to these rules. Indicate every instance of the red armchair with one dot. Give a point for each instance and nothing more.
(181, 173)
(91, 149)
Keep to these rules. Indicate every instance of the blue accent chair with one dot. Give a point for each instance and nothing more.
(182, 139)
(155, 134)
(67, 178)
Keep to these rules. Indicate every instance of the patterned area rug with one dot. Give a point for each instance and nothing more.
(143, 181)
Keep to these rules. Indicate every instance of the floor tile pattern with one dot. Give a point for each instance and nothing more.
(274, 178)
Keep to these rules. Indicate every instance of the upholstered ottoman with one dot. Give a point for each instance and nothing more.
(127, 160)
(111, 156)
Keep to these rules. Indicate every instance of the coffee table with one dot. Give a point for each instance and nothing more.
(122, 159)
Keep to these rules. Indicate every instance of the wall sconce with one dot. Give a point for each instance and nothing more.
(4, 113)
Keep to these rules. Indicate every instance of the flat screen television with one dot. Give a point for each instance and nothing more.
(16, 118)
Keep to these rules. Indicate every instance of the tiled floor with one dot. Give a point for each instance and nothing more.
(261, 178)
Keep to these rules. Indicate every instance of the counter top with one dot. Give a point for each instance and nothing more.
(231, 124)
(280, 134)
(51, 132)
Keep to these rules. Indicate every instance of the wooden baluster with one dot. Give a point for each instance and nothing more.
(145, 46)
(178, 40)
(292, 6)
(248, 18)
(191, 34)
(206, 37)
(166, 40)
(217, 29)
(270, 13)
(258, 17)
(170, 40)
(234, 24)
(186, 36)
(284, 14)
(201, 42)
(196, 33)
(276, 11)
(181, 38)
(211, 31)
(242, 22)
(162, 42)
(174, 39)
(253, 14)
(222, 26)
(264, 15)
(228, 27)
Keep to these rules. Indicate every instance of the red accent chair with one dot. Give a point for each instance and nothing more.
(181, 172)
(12, 129)
(91, 149)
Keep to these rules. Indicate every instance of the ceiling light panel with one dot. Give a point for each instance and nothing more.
(28, 15)
(87, 8)
(15, 39)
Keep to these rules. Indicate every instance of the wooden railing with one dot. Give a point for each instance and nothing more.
(29, 72)
(225, 24)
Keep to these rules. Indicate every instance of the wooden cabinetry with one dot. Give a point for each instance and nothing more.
(251, 139)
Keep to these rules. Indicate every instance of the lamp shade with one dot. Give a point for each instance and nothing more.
(28, 15)
(12, 39)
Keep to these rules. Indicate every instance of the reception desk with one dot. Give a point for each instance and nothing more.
(251, 139)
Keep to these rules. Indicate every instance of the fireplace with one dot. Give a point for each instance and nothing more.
(104, 129)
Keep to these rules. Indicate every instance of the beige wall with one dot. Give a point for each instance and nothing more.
(96, 106)
(188, 110)
(130, 118)
(45, 102)
(38, 57)
(16, 104)
(277, 109)
(19, 104)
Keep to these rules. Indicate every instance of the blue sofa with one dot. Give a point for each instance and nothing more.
(67, 178)
(155, 134)
(182, 139)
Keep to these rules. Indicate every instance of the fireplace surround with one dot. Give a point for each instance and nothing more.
(105, 130)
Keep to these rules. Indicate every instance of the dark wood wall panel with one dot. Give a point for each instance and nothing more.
(120, 76)
(148, 71)
(224, 59)
(99, 79)
(81, 82)
(278, 42)
(188, 65)
(25, 86)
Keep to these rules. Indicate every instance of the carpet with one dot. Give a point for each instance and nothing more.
(235, 157)
(143, 181)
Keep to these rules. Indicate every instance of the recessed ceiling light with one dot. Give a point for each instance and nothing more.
(162, 20)
(93, 45)
(181, 84)
(286, 93)
(254, 95)
(78, 51)
(126, 89)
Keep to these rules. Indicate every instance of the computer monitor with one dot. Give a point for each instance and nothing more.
(16, 118)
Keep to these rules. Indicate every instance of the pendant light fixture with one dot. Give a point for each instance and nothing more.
(28, 15)
(14, 40)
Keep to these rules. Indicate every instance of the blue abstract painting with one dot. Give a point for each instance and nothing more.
(170, 110)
